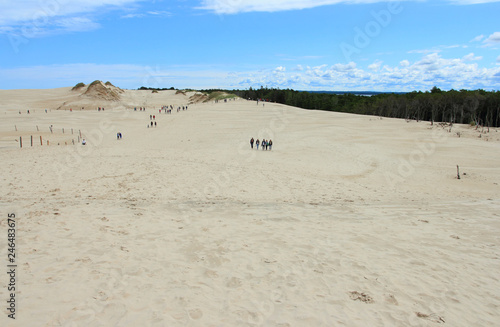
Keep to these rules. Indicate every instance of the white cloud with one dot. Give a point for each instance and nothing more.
(33, 18)
(134, 15)
(298, 68)
(472, 57)
(472, 2)
(493, 39)
(375, 66)
(148, 13)
(430, 70)
(160, 13)
(239, 6)
(477, 38)
(437, 49)
(343, 67)
(76, 24)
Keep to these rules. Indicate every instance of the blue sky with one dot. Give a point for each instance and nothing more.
(299, 44)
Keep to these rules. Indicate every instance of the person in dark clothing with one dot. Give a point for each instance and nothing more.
(251, 142)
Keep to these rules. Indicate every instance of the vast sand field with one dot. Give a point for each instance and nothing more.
(348, 220)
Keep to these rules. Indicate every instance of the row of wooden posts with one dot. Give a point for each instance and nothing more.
(41, 141)
(52, 130)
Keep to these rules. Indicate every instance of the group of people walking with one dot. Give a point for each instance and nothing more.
(264, 143)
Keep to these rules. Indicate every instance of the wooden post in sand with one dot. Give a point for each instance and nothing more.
(63, 130)
(47, 142)
(31, 140)
(41, 143)
(458, 172)
(21, 141)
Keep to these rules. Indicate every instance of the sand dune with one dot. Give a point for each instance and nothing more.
(348, 221)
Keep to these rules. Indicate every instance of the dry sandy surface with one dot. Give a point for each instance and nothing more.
(348, 221)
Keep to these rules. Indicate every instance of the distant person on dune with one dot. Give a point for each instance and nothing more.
(251, 142)
(257, 144)
(270, 144)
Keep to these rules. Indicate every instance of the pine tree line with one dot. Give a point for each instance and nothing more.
(479, 107)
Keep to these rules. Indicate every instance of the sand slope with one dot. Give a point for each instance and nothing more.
(348, 221)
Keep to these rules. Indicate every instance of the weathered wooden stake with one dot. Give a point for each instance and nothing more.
(458, 172)
(31, 140)
(41, 143)
(21, 141)
(63, 130)
(47, 142)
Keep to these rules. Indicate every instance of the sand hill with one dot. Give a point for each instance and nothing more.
(97, 90)
(348, 221)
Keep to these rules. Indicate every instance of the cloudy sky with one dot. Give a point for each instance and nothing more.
(299, 44)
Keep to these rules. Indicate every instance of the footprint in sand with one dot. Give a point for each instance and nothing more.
(234, 282)
(389, 298)
(195, 314)
(431, 317)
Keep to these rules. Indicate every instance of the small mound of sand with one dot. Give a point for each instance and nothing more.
(112, 87)
(198, 97)
(78, 86)
(98, 90)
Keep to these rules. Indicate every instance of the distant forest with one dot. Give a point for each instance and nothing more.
(142, 88)
(479, 107)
